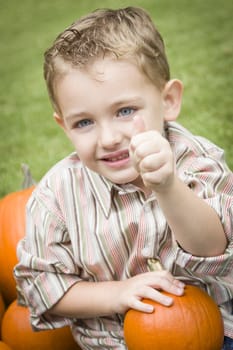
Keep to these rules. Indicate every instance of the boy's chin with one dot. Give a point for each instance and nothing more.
(135, 180)
(128, 177)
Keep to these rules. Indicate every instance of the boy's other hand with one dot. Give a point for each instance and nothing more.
(147, 285)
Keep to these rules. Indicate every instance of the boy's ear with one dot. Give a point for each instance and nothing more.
(172, 96)
(59, 120)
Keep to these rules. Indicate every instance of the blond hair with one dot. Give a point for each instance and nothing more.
(127, 33)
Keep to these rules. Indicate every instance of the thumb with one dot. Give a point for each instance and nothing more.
(138, 125)
(138, 128)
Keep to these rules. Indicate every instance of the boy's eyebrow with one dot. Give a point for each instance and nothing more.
(127, 100)
(115, 104)
(75, 115)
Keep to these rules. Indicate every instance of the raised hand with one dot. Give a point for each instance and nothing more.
(152, 157)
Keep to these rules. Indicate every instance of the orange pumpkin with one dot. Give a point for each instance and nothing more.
(18, 334)
(193, 322)
(12, 229)
(4, 346)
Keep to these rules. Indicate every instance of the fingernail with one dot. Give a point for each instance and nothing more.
(181, 285)
(180, 291)
(168, 301)
(149, 308)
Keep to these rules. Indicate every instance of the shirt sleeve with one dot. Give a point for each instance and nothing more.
(210, 178)
(46, 268)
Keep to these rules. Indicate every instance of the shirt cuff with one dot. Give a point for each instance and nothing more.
(46, 290)
(220, 265)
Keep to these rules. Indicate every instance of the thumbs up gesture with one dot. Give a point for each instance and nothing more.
(152, 157)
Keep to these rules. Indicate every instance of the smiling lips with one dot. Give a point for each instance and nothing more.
(117, 158)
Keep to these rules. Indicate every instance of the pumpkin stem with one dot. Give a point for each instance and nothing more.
(154, 265)
(28, 180)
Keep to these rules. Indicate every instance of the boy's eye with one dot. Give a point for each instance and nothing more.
(126, 111)
(83, 123)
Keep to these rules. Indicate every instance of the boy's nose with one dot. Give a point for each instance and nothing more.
(109, 136)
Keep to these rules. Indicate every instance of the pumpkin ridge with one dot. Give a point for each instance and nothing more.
(180, 301)
(211, 329)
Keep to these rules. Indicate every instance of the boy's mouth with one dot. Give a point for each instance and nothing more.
(116, 156)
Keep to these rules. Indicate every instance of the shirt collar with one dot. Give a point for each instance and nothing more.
(103, 189)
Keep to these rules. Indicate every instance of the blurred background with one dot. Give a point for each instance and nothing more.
(198, 38)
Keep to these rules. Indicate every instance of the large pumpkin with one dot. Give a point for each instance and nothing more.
(193, 322)
(4, 346)
(12, 229)
(18, 334)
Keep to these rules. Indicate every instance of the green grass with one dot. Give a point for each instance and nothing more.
(198, 36)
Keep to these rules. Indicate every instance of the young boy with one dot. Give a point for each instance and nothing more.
(139, 188)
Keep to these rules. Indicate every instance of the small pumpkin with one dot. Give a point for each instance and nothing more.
(4, 346)
(18, 334)
(192, 322)
(12, 229)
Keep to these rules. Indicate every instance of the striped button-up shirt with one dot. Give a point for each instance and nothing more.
(80, 226)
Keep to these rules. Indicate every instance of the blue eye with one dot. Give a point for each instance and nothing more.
(83, 123)
(126, 111)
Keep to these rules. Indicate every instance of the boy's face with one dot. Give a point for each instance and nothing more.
(98, 107)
